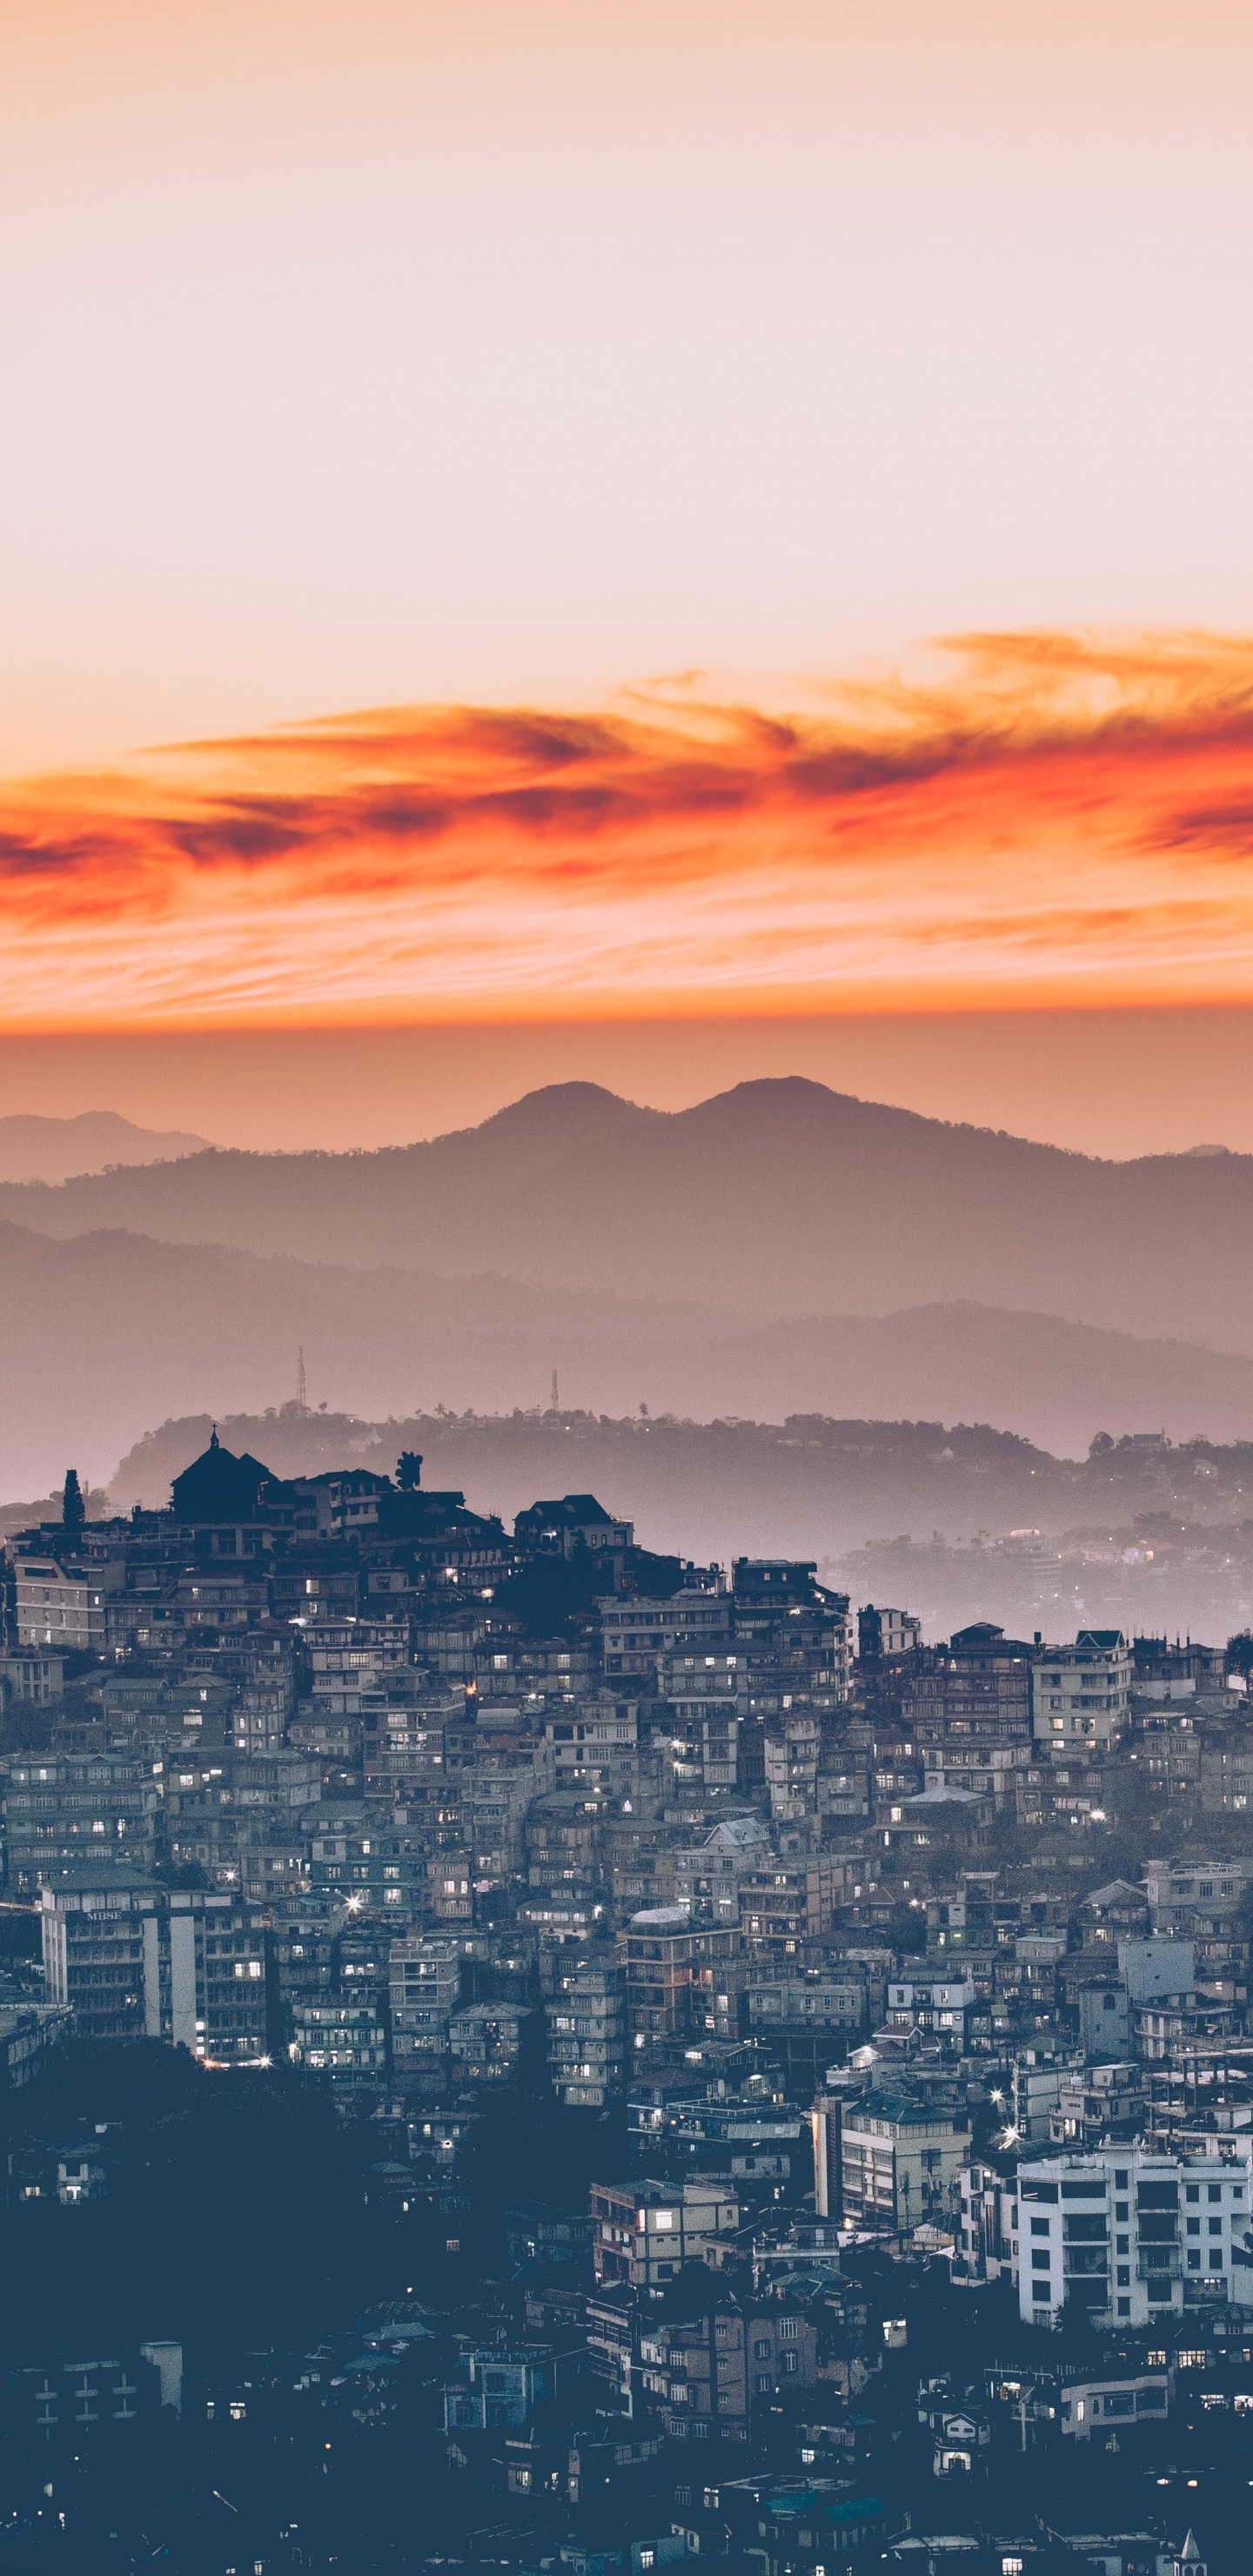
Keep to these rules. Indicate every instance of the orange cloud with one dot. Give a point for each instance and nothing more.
(1054, 819)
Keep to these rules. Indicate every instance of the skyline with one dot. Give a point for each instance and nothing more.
(626, 1036)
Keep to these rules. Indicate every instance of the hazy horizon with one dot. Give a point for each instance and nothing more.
(699, 1262)
(1113, 1084)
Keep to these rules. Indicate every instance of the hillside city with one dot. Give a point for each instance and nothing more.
(523, 2052)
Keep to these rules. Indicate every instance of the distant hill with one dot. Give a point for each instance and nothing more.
(48, 1507)
(954, 1523)
(776, 1199)
(108, 1334)
(52, 1150)
(703, 1489)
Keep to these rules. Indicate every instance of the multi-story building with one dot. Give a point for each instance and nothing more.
(985, 2246)
(936, 2004)
(793, 1638)
(1167, 1751)
(563, 1843)
(1225, 1770)
(133, 1960)
(783, 1908)
(283, 1785)
(695, 2369)
(577, 1521)
(790, 1755)
(707, 1875)
(586, 2048)
(485, 2041)
(842, 1792)
(636, 1633)
(709, 2366)
(496, 2388)
(341, 1504)
(1097, 2104)
(66, 1808)
(885, 1635)
(265, 1706)
(1081, 1701)
(424, 1980)
(644, 2232)
(1135, 2238)
(1176, 1889)
(368, 1867)
(655, 1954)
(199, 1817)
(343, 2038)
(31, 1679)
(349, 1656)
(826, 2130)
(826, 2003)
(968, 1706)
(29, 2035)
(1110, 1915)
(62, 1601)
(679, 1977)
(595, 1743)
(900, 2156)
(701, 1686)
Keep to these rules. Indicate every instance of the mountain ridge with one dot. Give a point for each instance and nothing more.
(775, 1198)
(108, 1331)
(37, 1147)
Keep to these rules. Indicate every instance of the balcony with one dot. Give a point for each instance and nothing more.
(1158, 2262)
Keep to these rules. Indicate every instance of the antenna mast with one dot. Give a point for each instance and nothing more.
(556, 1404)
(302, 1393)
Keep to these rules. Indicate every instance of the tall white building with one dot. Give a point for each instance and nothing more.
(1081, 1694)
(1135, 2238)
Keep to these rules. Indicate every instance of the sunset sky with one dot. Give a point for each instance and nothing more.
(657, 540)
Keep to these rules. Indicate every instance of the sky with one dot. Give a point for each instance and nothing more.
(652, 541)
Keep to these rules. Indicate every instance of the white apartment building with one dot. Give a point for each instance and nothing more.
(1135, 2238)
(938, 2004)
(1081, 1694)
(1176, 1889)
(62, 1604)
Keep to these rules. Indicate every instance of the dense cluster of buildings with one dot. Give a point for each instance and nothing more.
(845, 1940)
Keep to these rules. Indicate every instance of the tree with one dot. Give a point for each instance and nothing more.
(409, 1471)
(73, 1508)
(1240, 1654)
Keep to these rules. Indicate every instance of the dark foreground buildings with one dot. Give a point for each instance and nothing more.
(519, 2052)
